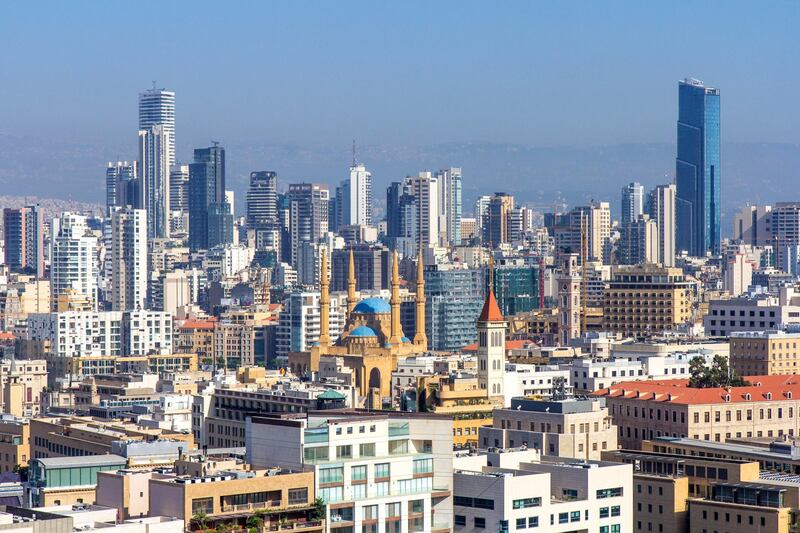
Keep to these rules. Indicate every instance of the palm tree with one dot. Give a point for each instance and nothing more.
(201, 519)
(255, 522)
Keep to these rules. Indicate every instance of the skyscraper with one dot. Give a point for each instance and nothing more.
(206, 189)
(179, 198)
(425, 189)
(262, 199)
(24, 239)
(632, 202)
(661, 207)
(496, 224)
(450, 205)
(73, 262)
(154, 164)
(128, 259)
(355, 197)
(308, 214)
(401, 218)
(122, 185)
(697, 169)
(157, 107)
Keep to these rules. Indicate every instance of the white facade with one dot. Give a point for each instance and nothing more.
(492, 356)
(157, 107)
(154, 164)
(128, 259)
(554, 495)
(425, 188)
(73, 264)
(751, 313)
(76, 333)
(357, 197)
(532, 380)
(299, 322)
(396, 468)
(661, 207)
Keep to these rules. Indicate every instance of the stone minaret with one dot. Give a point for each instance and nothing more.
(396, 337)
(420, 339)
(324, 301)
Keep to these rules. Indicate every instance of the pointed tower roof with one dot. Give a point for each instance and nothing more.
(491, 311)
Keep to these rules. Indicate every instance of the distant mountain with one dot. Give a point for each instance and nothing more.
(751, 172)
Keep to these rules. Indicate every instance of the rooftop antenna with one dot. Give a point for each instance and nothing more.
(154, 85)
(354, 152)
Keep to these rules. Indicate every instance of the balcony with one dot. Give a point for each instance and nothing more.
(234, 508)
(314, 525)
(398, 430)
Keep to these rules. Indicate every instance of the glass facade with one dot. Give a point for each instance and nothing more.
(454, 302)
(697, 169)
(517, 289)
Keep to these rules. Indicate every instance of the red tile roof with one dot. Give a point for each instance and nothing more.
(677, 391)
(198, 324)
(6, 336)
(491, 311)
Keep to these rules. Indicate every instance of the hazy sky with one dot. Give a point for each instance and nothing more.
(534, 73)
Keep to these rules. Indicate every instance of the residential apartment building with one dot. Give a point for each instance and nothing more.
(234, 345)
(15, 442)
(644, 300)
(21, 385)
(574, 428)
(760, 353)
(644, 410)
(493, 493)
(370, 468)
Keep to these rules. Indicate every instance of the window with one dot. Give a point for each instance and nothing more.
(563, 518)
(298, 496)
(522, 523)
(366, 449)
(370, 512)
(381, 488)
(533, 521)
(423, 466)
(479, 523)
(397, 447)
(460, 520)
(526, 503)
(604, 512)
(575, 516)
(392, 510)
(344, 452)
(331, 494)
(569, 494)
(202, 505)
(359, 492)
(358, 473)
(382, 470)
(615, 511)
(331, 475)
(609, 493)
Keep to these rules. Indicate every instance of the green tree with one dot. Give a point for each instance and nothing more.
(717, 374)
(255, 522)
(200, 519)
(318, 513)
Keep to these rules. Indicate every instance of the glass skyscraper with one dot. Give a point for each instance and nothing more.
(697, 169)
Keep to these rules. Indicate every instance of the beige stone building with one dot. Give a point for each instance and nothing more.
(22, 383)
(579, 429)
(760, 353)
(15, 448)
(644, 300)
(644, 410)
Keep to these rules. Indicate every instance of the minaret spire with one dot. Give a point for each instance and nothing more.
(420, 339)
(396, 329)
(351, 284)
(324, 301)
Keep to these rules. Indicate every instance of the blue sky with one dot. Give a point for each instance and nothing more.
(532, 73)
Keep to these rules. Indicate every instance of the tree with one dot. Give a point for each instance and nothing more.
(318, 513)
(255, 522)
(717, 374)
(200, 519)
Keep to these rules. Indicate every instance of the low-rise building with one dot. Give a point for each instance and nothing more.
(370, 467)
(533, 380)
(15, 442)
(21, 384)
(769, 352)
(574, 428)
(752, 312)
(553, 494)
(645, 410)
(460, 397)
(67, 480)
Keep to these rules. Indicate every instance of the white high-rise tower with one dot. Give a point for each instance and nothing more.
(73, 264)
(128, 259)
(154, 165)
(157, 107)
(356, 196)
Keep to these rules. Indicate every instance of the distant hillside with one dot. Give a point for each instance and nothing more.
(538, 176)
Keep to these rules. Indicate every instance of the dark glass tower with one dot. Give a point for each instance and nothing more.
(697, 169)
(206, 195)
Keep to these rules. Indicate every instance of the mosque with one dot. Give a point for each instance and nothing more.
(372, 340)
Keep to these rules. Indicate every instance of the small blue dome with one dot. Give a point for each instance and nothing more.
(406, 339)
(372, 306)
(362, 331)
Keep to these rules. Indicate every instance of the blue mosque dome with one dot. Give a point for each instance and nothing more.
(362, 331)
(372, 306)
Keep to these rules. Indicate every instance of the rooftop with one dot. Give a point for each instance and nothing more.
(677, 391)
(88, 460)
